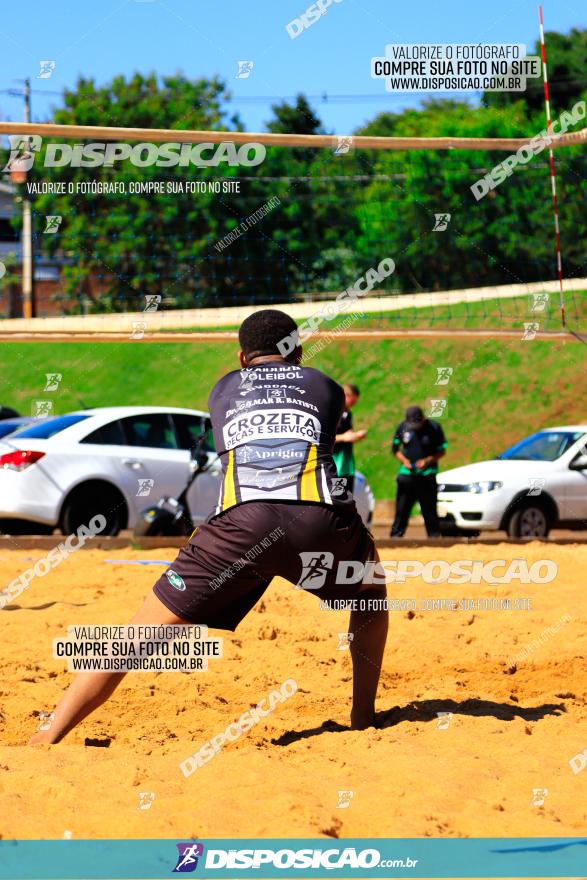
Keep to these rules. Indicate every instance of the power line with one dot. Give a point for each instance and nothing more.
(18, 93)
(323, 98)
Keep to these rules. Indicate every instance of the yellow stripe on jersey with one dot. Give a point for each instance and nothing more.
(308, 482)
(229, 489)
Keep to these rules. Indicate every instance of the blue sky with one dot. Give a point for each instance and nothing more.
(206, 38)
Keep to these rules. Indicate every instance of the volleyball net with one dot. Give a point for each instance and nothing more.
(187, 220)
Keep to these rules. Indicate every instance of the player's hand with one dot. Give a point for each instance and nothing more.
(421, 463)
(360, 435)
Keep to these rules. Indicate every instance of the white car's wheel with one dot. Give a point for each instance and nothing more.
(529, 521)
(92, 499)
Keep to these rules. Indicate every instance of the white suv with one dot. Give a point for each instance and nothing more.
(539, 483)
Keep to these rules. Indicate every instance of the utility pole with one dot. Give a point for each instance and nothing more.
(28, 272)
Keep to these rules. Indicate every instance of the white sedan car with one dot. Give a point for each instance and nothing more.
(60, 472)
(539, 483)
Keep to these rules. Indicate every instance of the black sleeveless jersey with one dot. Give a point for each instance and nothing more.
(274, 426)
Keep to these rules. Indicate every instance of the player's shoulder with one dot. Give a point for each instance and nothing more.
(232, 374)
(313, 374)
(435, 427)
(227, 380)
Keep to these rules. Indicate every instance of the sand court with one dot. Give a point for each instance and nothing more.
(472, 692)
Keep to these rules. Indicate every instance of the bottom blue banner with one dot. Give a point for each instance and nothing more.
(303, 858)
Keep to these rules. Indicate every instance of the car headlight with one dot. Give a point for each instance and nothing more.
(483, 486)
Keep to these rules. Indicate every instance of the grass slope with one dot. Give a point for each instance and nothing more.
(498, 392)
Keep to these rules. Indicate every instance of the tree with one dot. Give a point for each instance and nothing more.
(505, 237)
(566, 56)
(120, 248)
(316, 228)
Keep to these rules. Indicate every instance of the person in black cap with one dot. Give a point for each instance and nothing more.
(6, 412)
(418, 444)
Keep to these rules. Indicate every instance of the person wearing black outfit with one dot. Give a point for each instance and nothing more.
(274, 424)
(346, 436)
(418, 444)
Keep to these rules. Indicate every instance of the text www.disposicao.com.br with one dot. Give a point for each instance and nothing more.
(135, 664)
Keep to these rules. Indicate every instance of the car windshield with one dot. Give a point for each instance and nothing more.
(544, 446)
(48, 427)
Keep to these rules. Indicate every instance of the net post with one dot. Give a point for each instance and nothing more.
(559, 264)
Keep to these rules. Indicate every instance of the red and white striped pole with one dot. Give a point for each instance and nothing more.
(559, 262)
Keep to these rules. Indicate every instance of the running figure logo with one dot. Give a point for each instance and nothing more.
(344, 798)
(152, 302)
(443, 375)
(22, 152)
(46, 69)
(539, 795)
(344, 641)
(187, 860)
(441, 222)
(343, 145)
(537, 484)
(444, 719)
(338, 486)
(52, 223)
(531, 328)
(245, 69)
(315, 567)
(146, 799)
(138, 329)
(247, 380)
(539, 302)
(41, 408)
(437, 408)
(53, 380)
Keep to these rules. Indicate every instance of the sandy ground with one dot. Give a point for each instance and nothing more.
(511, 732)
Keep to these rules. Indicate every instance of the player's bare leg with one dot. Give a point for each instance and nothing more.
(89, 690)
(369, 630)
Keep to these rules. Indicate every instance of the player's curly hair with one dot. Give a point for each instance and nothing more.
(261, 332)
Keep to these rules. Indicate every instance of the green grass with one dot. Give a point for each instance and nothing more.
(500, 390)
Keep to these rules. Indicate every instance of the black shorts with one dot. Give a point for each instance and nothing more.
(229, 562)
